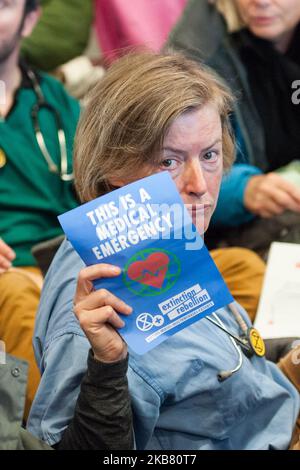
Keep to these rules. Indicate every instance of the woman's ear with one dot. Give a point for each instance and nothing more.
(30, 22)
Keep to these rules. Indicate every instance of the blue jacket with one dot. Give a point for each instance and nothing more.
(177, 400)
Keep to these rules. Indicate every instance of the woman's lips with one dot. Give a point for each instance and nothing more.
(200, 213)
(262, 20)
(199, 208)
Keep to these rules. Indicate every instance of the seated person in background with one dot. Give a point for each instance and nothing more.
(180, 116)
(122, 24)
(58, 44)
(254, 46)
(36, 178)
(61, 35)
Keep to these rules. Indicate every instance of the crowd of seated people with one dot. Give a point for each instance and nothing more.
(36, 183)
(68, 372)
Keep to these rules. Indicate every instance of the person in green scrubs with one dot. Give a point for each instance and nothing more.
(32, 195)
(61, 34)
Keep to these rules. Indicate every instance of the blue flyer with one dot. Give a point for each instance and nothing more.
(168, 276)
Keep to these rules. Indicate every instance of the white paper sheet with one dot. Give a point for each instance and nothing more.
(278, 314)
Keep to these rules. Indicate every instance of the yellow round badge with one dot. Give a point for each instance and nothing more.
(256, 342)
(2, 158)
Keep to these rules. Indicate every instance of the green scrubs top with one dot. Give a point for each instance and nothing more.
(31, 197)
(62, 33)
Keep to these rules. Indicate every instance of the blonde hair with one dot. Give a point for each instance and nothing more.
(231, 14)
(129, 112)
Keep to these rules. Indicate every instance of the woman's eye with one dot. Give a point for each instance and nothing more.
(211, 156)
(168, 163)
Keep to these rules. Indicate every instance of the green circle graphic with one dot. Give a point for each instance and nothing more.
(172, 275)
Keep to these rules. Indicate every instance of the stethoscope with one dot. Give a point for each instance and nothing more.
(42, 103)
(250, 342)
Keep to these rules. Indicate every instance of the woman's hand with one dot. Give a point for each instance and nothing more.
(97, 310)
(269, 195)
(7, 255)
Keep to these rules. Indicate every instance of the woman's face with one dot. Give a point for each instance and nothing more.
(270, 19)
(192, 153)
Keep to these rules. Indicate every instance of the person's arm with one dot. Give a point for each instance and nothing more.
(74, 402)
(103, 413)
(62, 361)
(98, 315)
(270, 195)
(103, 418)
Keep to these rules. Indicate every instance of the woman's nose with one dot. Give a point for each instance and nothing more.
(262, 3)
(194, 179)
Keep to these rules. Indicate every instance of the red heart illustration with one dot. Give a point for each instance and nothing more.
(151, 272)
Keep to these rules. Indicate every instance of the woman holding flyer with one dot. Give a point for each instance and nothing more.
(207, 386)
